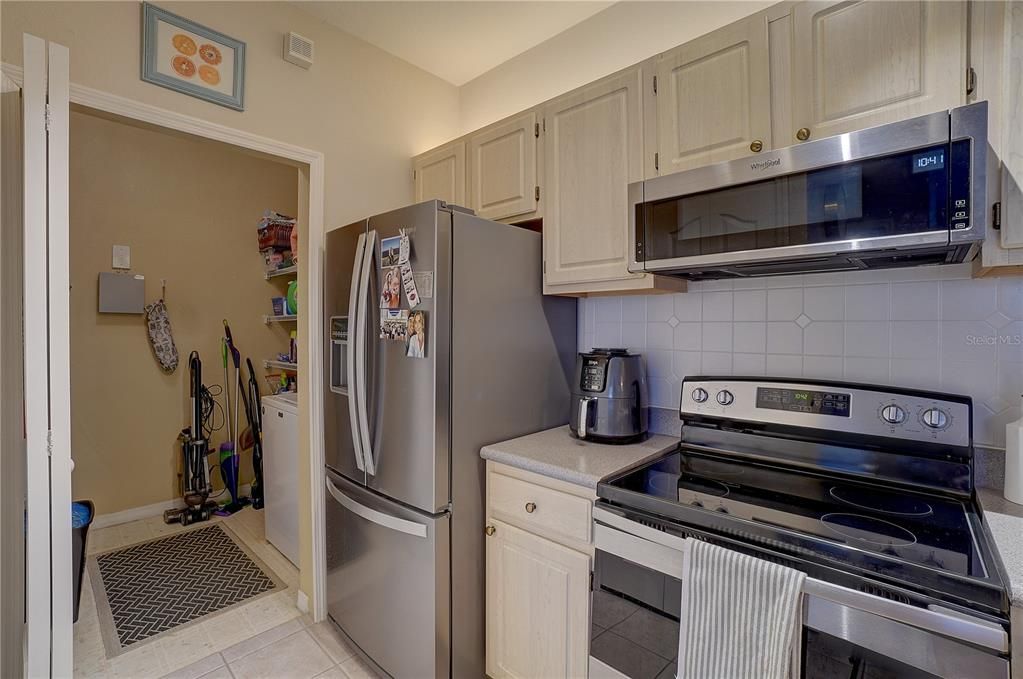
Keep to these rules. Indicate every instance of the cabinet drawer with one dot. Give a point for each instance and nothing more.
(540, 509)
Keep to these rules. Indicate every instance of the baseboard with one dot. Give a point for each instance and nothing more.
(147, 511)
(302, 602)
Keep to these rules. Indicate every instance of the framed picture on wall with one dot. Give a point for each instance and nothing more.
(182, 55)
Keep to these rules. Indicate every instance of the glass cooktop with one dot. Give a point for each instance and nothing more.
(934, 542)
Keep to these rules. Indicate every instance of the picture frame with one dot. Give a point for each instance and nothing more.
(184, 56)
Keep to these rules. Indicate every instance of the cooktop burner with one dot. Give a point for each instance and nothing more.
(869, 529)
(881, 501)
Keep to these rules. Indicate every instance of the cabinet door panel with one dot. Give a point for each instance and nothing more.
(860, 64)
(440, 174)
(537, 606)
(713, 97)
(502, 167)
(593, 150)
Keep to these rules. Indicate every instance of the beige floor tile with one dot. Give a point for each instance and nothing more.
(103, 539)
(331, 641)
(334, 672)
(230, 628)
(135, 531)
(187, 645)
(143, 662)
(220, 673)
(262, 640)
(272, 610)
(199, 668)
(355, 668)
(294, 657)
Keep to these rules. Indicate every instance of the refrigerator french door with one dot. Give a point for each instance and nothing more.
(388, 523)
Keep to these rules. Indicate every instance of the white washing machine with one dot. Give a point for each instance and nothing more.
(280, 472)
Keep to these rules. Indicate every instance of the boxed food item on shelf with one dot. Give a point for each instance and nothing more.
(274, 231)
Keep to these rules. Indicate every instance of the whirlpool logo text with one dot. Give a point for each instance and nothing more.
(764, 164)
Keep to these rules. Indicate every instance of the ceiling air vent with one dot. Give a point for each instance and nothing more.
(298, 50)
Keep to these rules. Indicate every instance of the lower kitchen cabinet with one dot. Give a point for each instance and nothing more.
(538, 606)
(539, 555)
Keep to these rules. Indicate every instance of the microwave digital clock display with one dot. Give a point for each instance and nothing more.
(931, 160)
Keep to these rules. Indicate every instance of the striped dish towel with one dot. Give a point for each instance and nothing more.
(741, 617)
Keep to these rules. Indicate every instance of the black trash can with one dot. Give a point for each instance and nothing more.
(82, 513)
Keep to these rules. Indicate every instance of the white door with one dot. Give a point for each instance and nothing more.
(861, 64)
(502, 168)
(538, 606)
(713, 97)
(48, 567)
(593, 150)
(440, 174)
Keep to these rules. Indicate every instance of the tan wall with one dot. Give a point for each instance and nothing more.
(188, 209)
(367, 111)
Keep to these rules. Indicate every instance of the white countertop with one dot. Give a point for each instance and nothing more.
(1005, 521)
(557, 454)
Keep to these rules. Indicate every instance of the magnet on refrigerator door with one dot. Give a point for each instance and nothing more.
(390, 251)
(408, 281)
(390, 291)
(394, 324)
(416, 327)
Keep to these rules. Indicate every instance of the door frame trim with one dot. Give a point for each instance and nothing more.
(311, 170)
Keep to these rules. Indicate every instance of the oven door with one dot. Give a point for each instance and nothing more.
(636, 603)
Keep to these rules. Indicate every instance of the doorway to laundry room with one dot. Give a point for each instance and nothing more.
(184, 371)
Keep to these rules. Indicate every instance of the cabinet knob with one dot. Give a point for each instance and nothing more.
(489, 530)
(530, 507)
(803, 133)
(756, 146)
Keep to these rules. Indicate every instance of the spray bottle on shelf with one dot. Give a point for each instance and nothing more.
(293, 347)
(1013, 491)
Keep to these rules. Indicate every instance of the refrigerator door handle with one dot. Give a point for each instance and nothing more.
(353, 323)
(361, 333)
(385, 520)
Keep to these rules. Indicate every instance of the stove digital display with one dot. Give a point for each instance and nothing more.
(803, 401)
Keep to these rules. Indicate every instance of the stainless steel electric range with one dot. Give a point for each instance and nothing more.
(867, 489)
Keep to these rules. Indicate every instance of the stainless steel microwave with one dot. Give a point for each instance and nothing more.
(902, 194)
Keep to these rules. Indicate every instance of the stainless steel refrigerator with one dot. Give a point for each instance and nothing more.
(405, 501)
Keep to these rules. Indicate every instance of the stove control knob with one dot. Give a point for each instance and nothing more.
(699, 395)
(935, 418)
(725, 397)
(893, 414)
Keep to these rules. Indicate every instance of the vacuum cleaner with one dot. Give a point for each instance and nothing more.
(246, 396)
(195, 476)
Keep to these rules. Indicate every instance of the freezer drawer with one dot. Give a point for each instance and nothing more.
(388, 579)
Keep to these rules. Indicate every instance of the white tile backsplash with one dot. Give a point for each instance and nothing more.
(928, 328)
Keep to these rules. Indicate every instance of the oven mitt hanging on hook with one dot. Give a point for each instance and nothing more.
(159, 328)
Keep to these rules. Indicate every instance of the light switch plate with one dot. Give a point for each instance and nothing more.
(121, 257)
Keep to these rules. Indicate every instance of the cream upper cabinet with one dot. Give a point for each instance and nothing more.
(713, 97)
(502, 168)
(537, 606)
(440, 174)
(860, 64)
(593, 149)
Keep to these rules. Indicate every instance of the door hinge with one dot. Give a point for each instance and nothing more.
(413, 175)
(996, 216)
(545, 125)
(971, 80)
(47, 117)
(536, 130)
(657, 161)
(537, 193)
(49, 432)
(545, 267)
(655, 84)
(591, 581)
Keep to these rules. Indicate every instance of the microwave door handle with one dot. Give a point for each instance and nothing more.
(584, 411)
(353, 323)
(395, 523)
(361, 339)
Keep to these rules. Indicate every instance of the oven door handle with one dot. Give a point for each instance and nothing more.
(662, 552)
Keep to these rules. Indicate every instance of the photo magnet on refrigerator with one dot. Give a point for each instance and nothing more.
(390, 289)
(394, 324)
(405, 248)
(416, 345)
(390, 251)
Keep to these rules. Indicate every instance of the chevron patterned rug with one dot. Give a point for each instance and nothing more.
(150, 588)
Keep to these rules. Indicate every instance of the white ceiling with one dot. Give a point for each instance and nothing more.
(455, 40)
